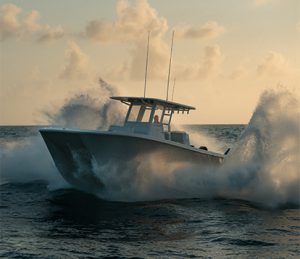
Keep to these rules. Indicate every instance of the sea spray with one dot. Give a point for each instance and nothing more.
(200, 138)
(263, 167)
(145, 177)
(28, 159)
(92, 109)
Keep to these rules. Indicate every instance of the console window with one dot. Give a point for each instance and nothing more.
(134, 112)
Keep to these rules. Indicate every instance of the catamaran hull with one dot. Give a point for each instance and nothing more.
(85, 159)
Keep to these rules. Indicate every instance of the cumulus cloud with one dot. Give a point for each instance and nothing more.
(15, 24)
(208, 30)
(51, 33)
(132, 25)
(208, 67)
(30, 22)
(274, 64)
(9, 24)
(158, 60)
(132, 22)
(77, 64)
(158, 63)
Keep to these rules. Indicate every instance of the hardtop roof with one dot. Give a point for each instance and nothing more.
(153, 101)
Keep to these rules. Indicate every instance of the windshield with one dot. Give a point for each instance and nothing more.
(139, 113)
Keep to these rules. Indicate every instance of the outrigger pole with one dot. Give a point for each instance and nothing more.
(146, 69)
(170, 67)
(173, 88)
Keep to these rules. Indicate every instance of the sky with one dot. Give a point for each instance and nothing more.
(225, 54)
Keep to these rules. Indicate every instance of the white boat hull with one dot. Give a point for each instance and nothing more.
(78, 153)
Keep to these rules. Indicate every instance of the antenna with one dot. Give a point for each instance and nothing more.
(146, 69)
(173, 88)
(170, 67)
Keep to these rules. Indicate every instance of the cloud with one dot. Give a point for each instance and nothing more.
(30, 22)
(274, 64)
(51, 33)
(132, 25)
(132, 22)
(158, 64)
(208, 30)
(158, 60)
(13, 26)
(9, 24)
(77, 63)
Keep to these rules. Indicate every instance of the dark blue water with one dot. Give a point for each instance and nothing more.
(38, 221)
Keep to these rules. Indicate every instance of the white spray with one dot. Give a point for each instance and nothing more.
(28, 159)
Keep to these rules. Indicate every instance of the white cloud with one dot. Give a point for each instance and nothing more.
(132, 22)
(13, 26)
(158, 59)
(208, 30)
(51, 33)
(77, 63)
(30, 22)
(135, 68)
(9, 24)
(274, 64)
(158, 64)
(132, 25)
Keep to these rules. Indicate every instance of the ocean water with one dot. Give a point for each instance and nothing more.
(241, 214)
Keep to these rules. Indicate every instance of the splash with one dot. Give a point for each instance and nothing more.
(92, 110)
(28, 159)
(262, 168)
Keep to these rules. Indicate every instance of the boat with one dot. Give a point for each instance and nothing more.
(86, 158)
(146, 131)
